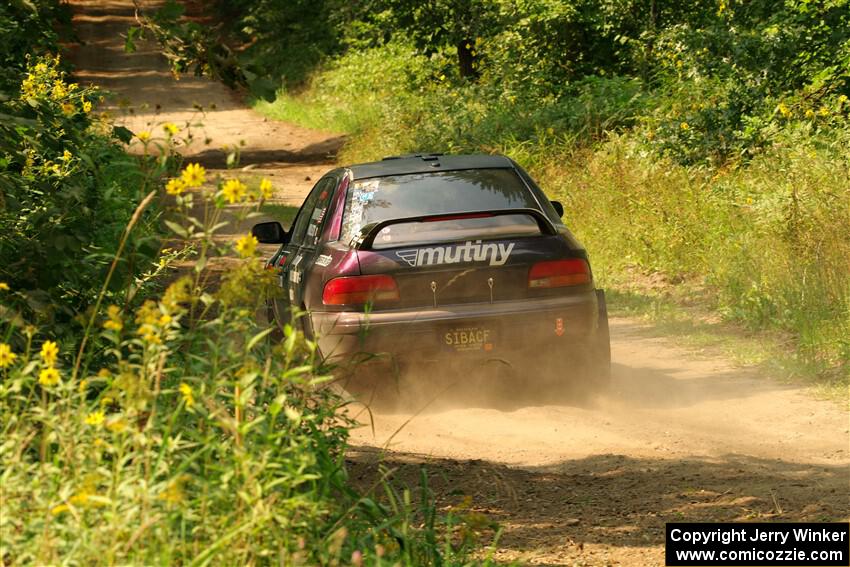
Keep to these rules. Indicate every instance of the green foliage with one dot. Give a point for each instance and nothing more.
(168, 430)
(722, 75)
(770, 248)
(187, 436)
(27, 27)
(67, 190)
(190, 46)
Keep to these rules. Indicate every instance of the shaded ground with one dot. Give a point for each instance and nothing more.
(610, 509)
(680, 437)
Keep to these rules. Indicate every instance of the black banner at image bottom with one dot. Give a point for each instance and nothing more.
(763, 544)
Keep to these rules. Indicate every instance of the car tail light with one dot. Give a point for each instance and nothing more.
(558, 273)
(357, 290)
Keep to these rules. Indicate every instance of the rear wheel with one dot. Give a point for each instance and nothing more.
(276, 334)
(582, 370)
(598, 371)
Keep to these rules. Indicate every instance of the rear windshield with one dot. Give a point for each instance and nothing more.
(381, 198)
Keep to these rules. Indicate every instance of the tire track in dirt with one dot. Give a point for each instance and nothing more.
(680, 437)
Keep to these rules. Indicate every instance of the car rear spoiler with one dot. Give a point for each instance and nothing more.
(369, 232)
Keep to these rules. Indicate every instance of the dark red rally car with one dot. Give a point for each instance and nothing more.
(457, 258)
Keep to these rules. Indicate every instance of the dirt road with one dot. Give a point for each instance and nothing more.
(680, 437)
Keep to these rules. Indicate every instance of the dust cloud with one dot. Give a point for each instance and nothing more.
(664, 402)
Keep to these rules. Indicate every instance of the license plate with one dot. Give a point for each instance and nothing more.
(469, 339)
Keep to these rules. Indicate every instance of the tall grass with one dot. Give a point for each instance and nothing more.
(766, 241)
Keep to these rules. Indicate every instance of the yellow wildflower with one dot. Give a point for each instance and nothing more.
(103, 373)
(49, 351)
(95, 418)
(173, 494)
(144, 136)
(810, 113)
(83, 384)
(86, 106)
(266, 188)
(56, 510)
(784, 110)
(84, 498)
(7, 357)
(68, 108)
(149, 335)
(247, 245)
(177, 293)
(114, 322)
(148, 313)
(188, 396)
(175, 186)
(233, 190)
(170, 128)
(48, 376)
(194, 175)
(4, 286)
(116, 425)
(59, 90)
(823, 111)
(685, 126)
(164, 320)
(79, 499)
(66, 156)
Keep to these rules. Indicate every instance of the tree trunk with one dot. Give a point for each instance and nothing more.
(466, 60)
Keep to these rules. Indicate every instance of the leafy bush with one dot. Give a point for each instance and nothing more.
(67, 189)
(28, 27)
(188, 437)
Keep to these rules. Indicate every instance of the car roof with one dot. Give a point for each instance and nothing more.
(422, 163)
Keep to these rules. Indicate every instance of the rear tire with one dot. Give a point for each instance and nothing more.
(598, 371)
(276, 334)
(582, 371)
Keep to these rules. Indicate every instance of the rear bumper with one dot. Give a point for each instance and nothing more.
(470, 331)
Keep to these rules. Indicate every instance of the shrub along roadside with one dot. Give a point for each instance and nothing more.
(768, 237)
(182, 435)
(28, 27)
(161, 430)
(67, 190)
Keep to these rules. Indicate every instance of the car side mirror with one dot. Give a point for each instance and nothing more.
(559, 208)
(270, 233)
